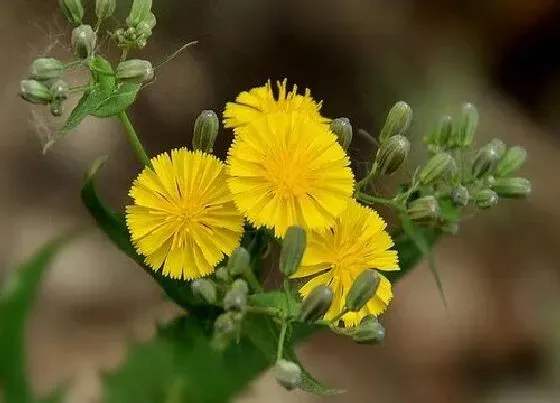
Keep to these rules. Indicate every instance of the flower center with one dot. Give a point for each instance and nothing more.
(287, 175)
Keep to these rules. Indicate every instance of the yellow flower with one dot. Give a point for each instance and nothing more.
(358, 241)
(250, 105)
(288, 170)
(183, 219)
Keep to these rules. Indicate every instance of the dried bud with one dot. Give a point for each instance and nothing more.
(463, 135)
(362, 290)
(391, 155)
(486, 198)
(369, 331)
(35, 92)
(511, 161)
(73, 10)
(293, 247)
(342, 128)
(439, 166)
(288, 374)
(56, 107)
(135, 70)
(205, 290)
(460, 195)
(486, 159)
(222, 274)
(45, 69)
(511, 188)
(139, 12)
(105, 8)
(316, 304)
(424, 209)
(83, 41)
(205, 133)
(236, 298)
(239, 262)
(398, 121)
(59, 90)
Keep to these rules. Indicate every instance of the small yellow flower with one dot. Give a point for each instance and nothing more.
(335, 257)
(252, 104)
(183, 219)
(288, 169)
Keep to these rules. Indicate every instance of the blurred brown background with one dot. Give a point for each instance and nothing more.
(500, 340)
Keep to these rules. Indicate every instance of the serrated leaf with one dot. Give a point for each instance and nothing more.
(119, 101)
(103, 75)
(277, 300)
(16, 300)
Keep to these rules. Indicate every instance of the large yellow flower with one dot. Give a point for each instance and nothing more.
(252, 104)
(183, 219)
(288, 169)
(358, 241)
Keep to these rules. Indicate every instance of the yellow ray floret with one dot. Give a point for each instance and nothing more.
(288, 170)
(335, 257)
(183, 219)
(252, 104)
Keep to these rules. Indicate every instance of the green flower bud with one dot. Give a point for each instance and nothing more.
(56, 107)
(439, 138)
(205, 133)
(342, 128)
(499, 147)
(511, 161)
(424, 209)
(288, 374)
(35, 92)
(145, 27)
(450, 227)
(439, 166)
(105, 8)
(398, 121)
(463, 135)
(486, 159)
(73, 10)
(139, 12)
(59, 90)
(83, 41)
(205, 290)
(236, 297)
(391, 155)
(239, 262)
(45, 69)
(460, 195)
(316, 304)
(293, 248)
(135, 70)
(362, 290)
(369, 331)
(226, 327)
(222, 274)
(486, 198)
(511, 188)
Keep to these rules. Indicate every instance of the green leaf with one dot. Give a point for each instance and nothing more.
(275, 300)
(16, 300)
(119, 100)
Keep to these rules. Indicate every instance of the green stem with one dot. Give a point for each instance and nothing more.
(339, 316)
(133, 139)
(253, 280)
(367, 179)
(73, 63)
(368, 199)
(281, 341)
(264, 311)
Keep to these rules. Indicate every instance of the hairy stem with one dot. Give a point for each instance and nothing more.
(133, 139)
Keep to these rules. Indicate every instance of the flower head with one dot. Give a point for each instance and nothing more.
(252, 104)
(288, 169)
(183, 219)
(335, 257)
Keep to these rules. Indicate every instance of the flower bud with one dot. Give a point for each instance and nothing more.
(222, 274)
(391, 155)
(56, 107)
(139, 12)
(369, 331)
(236, 298)
(486, 159)
(342, 128)
(239, 262)
(486, 198)
(226, 327)
(135, 70)
(45, 69)
(35, 92)
(288, 374)
(443, 133)
(316, 304)
(511, 161)
(73, 10)
(59, 90)
(463, 135)
(145, 27)
(424, 209)
(105, 8)
(398, 121)
(83, 41)
(511, 188)
(499, 147)
(205, 133)
(362, 290)
(439, 166)
(460, 195)
(205, 290)
(293, 248)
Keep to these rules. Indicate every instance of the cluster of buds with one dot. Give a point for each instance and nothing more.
(44, 85)
(140, 23)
